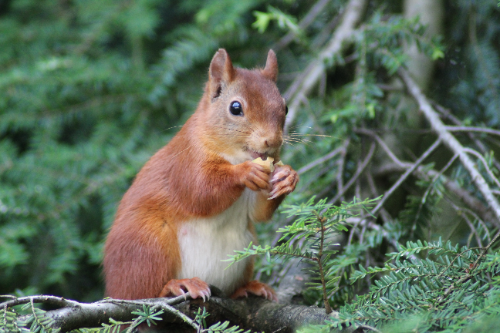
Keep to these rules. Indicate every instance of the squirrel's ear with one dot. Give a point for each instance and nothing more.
(221, 72)
(271, 69)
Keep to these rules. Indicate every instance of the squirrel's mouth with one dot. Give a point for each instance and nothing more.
(256, 154)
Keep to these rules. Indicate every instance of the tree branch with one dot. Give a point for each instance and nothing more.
(312, 74)
(254, 313)
(45, 299)
(321, 160)
(450, 141)
(356, 175)
(448, 183)
(473, 129)
(405, 175)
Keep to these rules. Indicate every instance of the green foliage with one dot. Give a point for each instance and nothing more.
(147, 315)
(446, 290)
(217, 327)
(35, 319)
(288, 22)
(9, 323)
(307, 238)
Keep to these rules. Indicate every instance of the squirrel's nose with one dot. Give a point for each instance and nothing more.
(273, 142)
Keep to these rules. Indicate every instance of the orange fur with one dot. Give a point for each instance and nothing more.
(200, 174)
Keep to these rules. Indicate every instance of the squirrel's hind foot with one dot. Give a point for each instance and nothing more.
(257, 288)
(196, 287)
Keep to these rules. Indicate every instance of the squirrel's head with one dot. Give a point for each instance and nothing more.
(246, 112)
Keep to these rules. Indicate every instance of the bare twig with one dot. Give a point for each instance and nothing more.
(472, 129)
(448, 183)
(473, 229)
(358, 173)
(450, 141)
(485, 164)
(384, 214)
(428, 190)
(312, 74)
(323, 159)
(381, 143)
(46, 299)
(405, 175)
(340, 172)
(445, 112)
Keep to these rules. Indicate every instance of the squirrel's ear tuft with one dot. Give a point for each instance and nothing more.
(221, 72)
(271, 69)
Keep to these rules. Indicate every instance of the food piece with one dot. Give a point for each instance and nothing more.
(268, 163)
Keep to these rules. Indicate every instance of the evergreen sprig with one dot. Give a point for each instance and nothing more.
(415, 287)
(309, 238)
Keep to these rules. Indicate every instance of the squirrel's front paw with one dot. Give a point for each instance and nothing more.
(283, 181)
(254, 176)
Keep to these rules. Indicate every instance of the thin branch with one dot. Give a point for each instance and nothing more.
(381, 143)
(303, 85)
(405, 175)
(472, 129)
(323, 159)
(384, 214)
(485, 164)
(451, 185)
(445, 112)
(428, 191)
(45, 299)
(358, 173)
(340, 172)
(473, 229)
(450, 141)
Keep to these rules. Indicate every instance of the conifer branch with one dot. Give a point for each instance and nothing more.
(318, 260)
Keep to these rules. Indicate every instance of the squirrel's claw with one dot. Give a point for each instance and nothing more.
(283, 181)
(196, 287)
(257, 288)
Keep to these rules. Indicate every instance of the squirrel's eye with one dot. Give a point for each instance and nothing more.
(236, 109)
(286, 109)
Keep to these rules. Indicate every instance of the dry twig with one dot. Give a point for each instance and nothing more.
(450, 141)
(312, 74)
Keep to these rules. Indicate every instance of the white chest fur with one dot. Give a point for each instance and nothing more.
(204, 243)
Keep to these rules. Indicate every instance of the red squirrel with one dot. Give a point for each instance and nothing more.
(194, 202)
